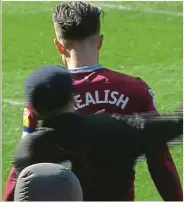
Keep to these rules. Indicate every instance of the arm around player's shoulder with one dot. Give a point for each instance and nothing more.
(110, 130)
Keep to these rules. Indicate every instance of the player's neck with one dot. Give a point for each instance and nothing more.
(82, 59)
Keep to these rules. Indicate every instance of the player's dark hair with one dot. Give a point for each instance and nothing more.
(77, 20)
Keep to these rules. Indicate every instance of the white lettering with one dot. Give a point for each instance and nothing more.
(74, 107)
(78, 101)
(114, 99)
(106, 96)
(124, 102)
(101, 97)
(98, 101)
(89, 99)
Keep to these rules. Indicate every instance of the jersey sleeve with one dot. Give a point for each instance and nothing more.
(29, 120)
(150, 103)
(148, 99)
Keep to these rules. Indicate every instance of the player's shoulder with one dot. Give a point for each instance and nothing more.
(30, 118)
(122, 78)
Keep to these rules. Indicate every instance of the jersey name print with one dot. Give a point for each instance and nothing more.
(102, 97)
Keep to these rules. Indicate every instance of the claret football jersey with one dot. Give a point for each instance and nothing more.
(98, 88)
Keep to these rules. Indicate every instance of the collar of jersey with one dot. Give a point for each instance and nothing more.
(85, 69)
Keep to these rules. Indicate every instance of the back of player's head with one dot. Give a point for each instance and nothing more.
(47, 182)
(77, 20)
(49, 89)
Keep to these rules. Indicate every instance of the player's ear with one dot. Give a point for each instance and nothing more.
(101, 38)
(59, 46)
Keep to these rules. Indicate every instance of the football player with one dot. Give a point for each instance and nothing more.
(99, 149)
(78, 39)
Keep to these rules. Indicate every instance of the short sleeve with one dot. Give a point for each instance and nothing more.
(150, 102)
(148, 99)
(30, 119)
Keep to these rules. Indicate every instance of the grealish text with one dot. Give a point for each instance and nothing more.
(105, 97)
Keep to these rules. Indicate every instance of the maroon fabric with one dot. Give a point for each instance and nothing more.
(10, 186)
(122, 94)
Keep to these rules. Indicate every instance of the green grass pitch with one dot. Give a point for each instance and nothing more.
(144, 41)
